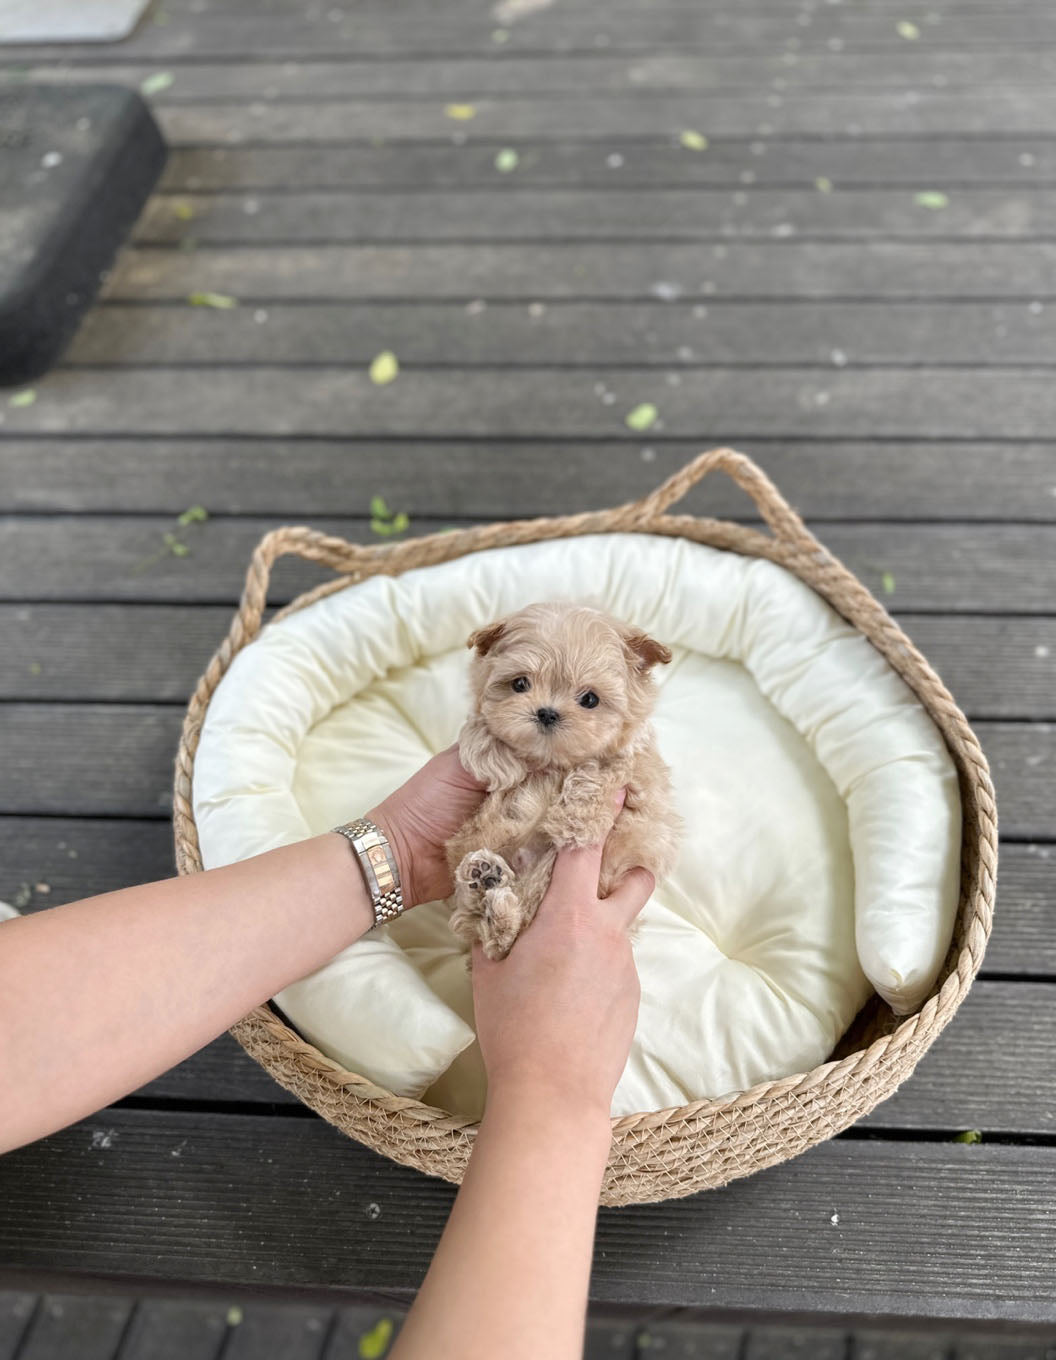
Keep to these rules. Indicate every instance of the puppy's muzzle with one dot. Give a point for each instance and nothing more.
(547, 717)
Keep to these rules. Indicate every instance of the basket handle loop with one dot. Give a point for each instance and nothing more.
(784, 523)
(347, 558)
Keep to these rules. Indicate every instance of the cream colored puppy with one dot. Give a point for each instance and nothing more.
(562, 696)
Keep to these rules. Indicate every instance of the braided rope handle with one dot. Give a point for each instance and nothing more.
(353, 560)
(784, 523)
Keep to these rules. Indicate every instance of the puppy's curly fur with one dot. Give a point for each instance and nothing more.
(562, 696)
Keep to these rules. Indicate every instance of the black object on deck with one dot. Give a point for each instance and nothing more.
(76, 165)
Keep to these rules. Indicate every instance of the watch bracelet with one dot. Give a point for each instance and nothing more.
(378, 864)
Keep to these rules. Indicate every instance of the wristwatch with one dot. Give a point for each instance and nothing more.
(379, 867)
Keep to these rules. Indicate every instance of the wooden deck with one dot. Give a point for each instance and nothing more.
(855, 282)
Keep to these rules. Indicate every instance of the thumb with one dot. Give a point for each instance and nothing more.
(631, 894)
(576, 871)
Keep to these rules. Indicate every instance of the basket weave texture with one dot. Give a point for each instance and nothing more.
(656, 1154)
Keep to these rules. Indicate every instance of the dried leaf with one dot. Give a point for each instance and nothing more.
(461, 112)
(221, 301)
(372, 1345)
(969, 1136)
(931, 198)
(160, 80)
(693, 141)
(25, 398)
(507, 160)
(642, 417)
(887, 582)
(197, 514)
(905, 29)
(384, 368)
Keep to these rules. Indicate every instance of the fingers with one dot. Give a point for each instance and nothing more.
(631, 894)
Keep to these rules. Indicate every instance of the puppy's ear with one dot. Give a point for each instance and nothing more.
(647, 651)
(485, 638)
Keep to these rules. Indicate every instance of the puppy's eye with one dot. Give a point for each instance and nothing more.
(521, 684)
(589, 700)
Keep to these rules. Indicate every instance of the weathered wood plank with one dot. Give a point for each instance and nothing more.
(725, 114)
(851, 113)
(566, 215)
(935, 163)
(697, 404)
(475, 77)
(864, 479)
(67, 1325)
(176, 1329)
(16, 1308)
(117, 760)
(895, 270)
(229, 1208)
(671, 334)
(940, 568)
(82, 856)
(996, 667)
(309, 34)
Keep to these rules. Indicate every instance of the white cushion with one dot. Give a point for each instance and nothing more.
(821, 857)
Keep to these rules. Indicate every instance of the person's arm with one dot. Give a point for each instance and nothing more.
(555, 1022)
(101, 995)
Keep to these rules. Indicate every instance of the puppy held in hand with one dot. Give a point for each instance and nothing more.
(562, 695)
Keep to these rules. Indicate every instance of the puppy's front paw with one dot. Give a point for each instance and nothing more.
(482, 870)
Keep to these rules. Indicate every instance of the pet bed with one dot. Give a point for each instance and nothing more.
(821, 766)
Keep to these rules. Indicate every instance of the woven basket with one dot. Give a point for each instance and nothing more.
(658, 1154)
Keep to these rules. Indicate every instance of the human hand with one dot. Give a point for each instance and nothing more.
(556, 1017)
(423, 814)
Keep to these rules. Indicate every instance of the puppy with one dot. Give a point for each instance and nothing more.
(562, 695)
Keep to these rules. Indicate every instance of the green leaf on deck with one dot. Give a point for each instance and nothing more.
(969, 1136)
(234, 1315)
(642, 417)
(400, 522)
(379, 509)
(384, 368)
(500, 35)
(35, 668)
(155, 84)
(461, 113)
(24, 398)
(182, 210)
(174, 545)
(905, 29)
(693, 141)
(506, 160)
(931, 198)
(197, 514)
(221, 301)
(823, 185)
(372, 1345)
(887, 582)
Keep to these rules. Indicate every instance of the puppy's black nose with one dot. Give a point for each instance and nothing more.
(547, 716)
